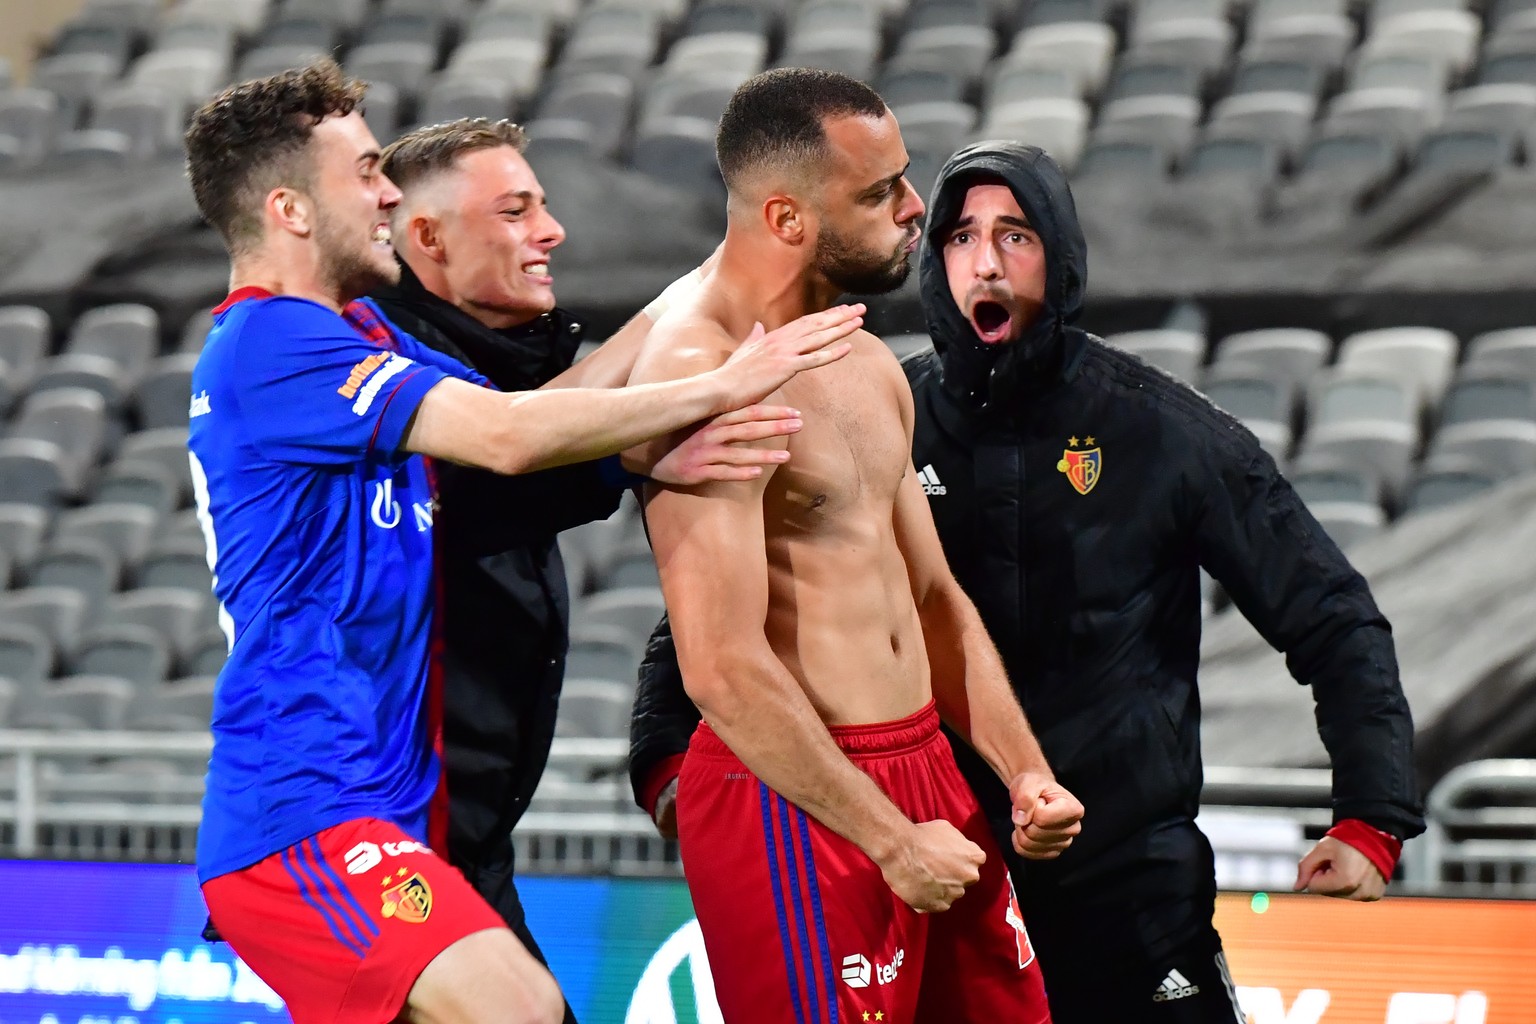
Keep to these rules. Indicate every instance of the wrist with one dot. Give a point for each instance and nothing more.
(665, 771)
(1382, 849)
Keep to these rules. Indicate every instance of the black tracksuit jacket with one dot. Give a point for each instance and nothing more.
(505, 607)
(1092, 593)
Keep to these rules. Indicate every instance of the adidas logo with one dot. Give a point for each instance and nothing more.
(1175, 986)
(930, 481)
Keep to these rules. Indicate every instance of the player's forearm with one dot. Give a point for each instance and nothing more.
(758, 709)
(971, 688)
(561, 426)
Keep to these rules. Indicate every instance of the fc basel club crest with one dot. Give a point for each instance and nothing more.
(1084, 467)
(410, 901)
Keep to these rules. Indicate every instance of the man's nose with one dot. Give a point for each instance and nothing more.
(550, 232)
(390, 197)
(912, 207)
(989, 263)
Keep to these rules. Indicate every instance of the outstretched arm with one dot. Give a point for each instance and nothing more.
(970, 686)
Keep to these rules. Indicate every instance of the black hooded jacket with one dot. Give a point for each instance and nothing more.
(1077, 492)
(503, 591)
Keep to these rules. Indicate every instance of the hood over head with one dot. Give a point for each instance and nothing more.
(974, 371)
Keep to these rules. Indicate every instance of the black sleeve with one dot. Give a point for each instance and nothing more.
(487, 513)
(1259, 541)
(664, 716)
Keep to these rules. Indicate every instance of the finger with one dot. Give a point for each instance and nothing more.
(728, 474)
(756, 430)
(756, 412)
(824, 335)
(757, 331)
(821, 357)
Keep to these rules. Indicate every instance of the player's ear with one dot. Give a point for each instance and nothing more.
(289, 209)
(424, 232)
(785, 219)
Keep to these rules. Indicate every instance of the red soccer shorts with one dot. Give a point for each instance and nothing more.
(801, 927)
(342, 924)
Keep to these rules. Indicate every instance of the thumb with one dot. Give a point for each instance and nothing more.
(1310, 865)
(757, 331)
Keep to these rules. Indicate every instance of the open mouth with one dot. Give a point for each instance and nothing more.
(538, 271)
(381, 234)
(992, 321)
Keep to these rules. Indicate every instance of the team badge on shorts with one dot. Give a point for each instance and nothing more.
(410, 901)
(1081, 467)
(1015, 917)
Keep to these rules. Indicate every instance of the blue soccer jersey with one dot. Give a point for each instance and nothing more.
(319, 534)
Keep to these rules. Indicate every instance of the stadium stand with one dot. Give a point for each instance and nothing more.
(1342, 187)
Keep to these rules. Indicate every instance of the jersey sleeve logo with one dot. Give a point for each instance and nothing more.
(369, 376)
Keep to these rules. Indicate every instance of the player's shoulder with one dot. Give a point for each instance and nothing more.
(683, 343)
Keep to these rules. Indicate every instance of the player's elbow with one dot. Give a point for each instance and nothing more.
(714, 680)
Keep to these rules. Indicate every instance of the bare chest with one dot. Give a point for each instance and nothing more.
(853, 447)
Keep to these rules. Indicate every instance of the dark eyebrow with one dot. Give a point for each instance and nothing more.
(1012, 222)
(885, 183)
(370, 158)
(523, 194)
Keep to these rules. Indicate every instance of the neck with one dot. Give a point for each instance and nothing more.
(430, 274)
(295, 272)
(763, 280)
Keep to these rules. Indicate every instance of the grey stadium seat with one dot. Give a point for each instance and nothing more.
(58, 433)
(1176, 352)
(189, 76)
(1295, 352)
(24, 332)
(602, 102)
(58, 612)
(1405, 114)
(745, 53)
(1169, 120)
(1201, 43)
(107, 351)
(207, 654)
(926, 85)
(1136, 77)
(165, 447)
(1451, 36)
(1505, 446)
(1339, 158)
(117, 41)
(700, 94)
(449, 99)
(195, 331)
(1400, 71)
(26, 653)
(1085, 49)
(1283, 117)
(1265, 11)
(185, 705)
(76, 702)
(1515, 347)
(1301, 77)
(181, 526)
(635, 610)
(1011, 84)
(162, 398)
(515, 64)
(135, 653)
(935, 125)
(1367, 418)
(146, 119)
(681, 152)
(1123, 165)
(594, 708)
(274, 58)
(1060, 12)
(1446, 480)
(135, 482)
(602, 652)
(21, 532)
(182, 564)
(1507, 107)
(490, 23)
(722, 16)
(1060, 127)
(403, 66)
(75, 78)
(1321, 38)
(125, 529)
(851, 53)
(87, 567)
(31, 119)
(1264, 402)
(176, 614)
(629, 568)
(965, 49)
(1254, 162)
(1455, 150)
(313, 32)
(1326, 481)
(1424, 355)
(1348, 523)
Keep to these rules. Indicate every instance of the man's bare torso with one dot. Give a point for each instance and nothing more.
(841, 616)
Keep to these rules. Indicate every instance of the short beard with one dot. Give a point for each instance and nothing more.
(858, 271)
(346, 268)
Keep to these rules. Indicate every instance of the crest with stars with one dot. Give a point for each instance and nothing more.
(1082, 462)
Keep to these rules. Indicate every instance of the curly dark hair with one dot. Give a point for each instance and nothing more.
(432, 148)
(252, 137)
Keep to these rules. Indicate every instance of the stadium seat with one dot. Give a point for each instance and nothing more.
(1505, 446)
(181, 526)
(1285, 118)
(1176, 352)
(1265, 402)
(64, 426)
(1510, 108)
(850, 53)
(1060, 127)
(137, 483)
(515, 64)
(1084, 49)
(88, 567)
(135, 653)
(928, 85)
(180, 564)
(165, 447)
(635, 610)
(1451, 36)
(1252, 162)
(1514, 347)
(1457, 150)
(1349, 523)
(208, 36)
(604, 103)
(1167, 120)
(598, 652)
(903, 346)
(176, 614)
(1266, 11)
(185, 705)
(162, 396)
(1324, 481)
(1509, 65)
(403, 66)
(1322, 39)
(1425, 356)
(1201, 43)
(745, 53)
(274, 58)
(634, 567)
(76, 702)
(1135, 78)
(74, 78)
(57, 612)
(1446, 480)
(195, 330)
(1419, 72)
(1125, 167)
(21, 532)
(30, 119)
(449, 99)
(1404, 114)
(245, 16)
(681, 152)
(413, 27)
(963, 49)
(1301, 77)
(125, 529)
(207, 654)
(107, 352)
(116, 41)
(308, 30)
(189, 76)
(24, 335)
(26, 653)
(562, 11)
(725, 16)
(1366, 418)
(38, 472)
(935, 125)
(1012, 84)
(696, 94)
(594, 708)
(384, 111)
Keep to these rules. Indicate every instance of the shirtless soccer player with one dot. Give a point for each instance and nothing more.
(822, 819)
(310, 421)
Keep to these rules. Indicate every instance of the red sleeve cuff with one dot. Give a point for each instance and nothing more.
(1380, 849)
(662, 773)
